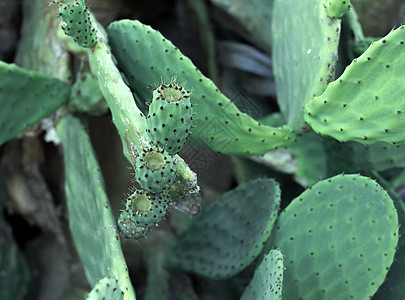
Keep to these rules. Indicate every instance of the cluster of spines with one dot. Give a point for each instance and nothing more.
(170, 117)
(143, 211)
(77, 24)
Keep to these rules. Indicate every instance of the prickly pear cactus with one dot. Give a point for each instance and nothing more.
(106, 288)
(91, 219)
(346, 229)
(25, 98)
(155, 170)
(336, 8)
(76, 22)
(143, 211)
(267, 282)
(170, 117)
(366, 104)
(230, 233)
(219, 125)
(304, 54)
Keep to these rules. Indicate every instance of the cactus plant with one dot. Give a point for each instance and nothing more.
(333, 239)
(267, 282)
(337, 240)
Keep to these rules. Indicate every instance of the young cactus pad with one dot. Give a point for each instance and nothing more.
(170, 117)
(76, 22)
(230, 233)
(339, 239)
(367, 103)
(145, 56)
(25, 98)
(155, 170)
(304, 54)
(267, 282)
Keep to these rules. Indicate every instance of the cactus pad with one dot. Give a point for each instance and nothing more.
(145, 56)
(91, 219)
(304, 54)
(267, 282)
(76, 22)
(25, 98)
(336, 8)
(106, 288)
(230, 233)
(338, 238)
(367, 103)
(170, 117)
(155, 170)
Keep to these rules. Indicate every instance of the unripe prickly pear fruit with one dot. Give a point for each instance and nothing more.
(76, 22)
(337, 8)
(170, 117)
(146, 209)
(129, 229)
(155, 170)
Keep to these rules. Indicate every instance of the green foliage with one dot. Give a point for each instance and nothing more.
(219, 125)
(339, 239)
(230, 233)
(25, 98)
(91, 220)
(304, 54)
(365, 104)
(267, 282)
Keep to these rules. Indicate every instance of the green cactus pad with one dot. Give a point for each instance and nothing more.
(338, 238)
(91, 220)
(336, 8)
(230, 233)
(304, 54)
(25, 98)
(155, 170)
(267, 282)
(106, 288)
(393, 287)
(170, 117)
(146, 209)
(86, 96)
(76, 22)
(145, 56)
(367, 103)
(354, 157)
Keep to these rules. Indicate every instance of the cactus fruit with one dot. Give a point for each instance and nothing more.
(91, 219)
(339, 239)
(26, 97)
(336, 8)
(106, 288)
(304, 54)
(170, 117)
(146, 209)
(76, 22)
(228, 235)
(267, 282)
(366, 103)
(219, 125)
(155, 170)
(129, 229)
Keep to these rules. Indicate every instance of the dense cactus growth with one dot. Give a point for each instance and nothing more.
(327, 153)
